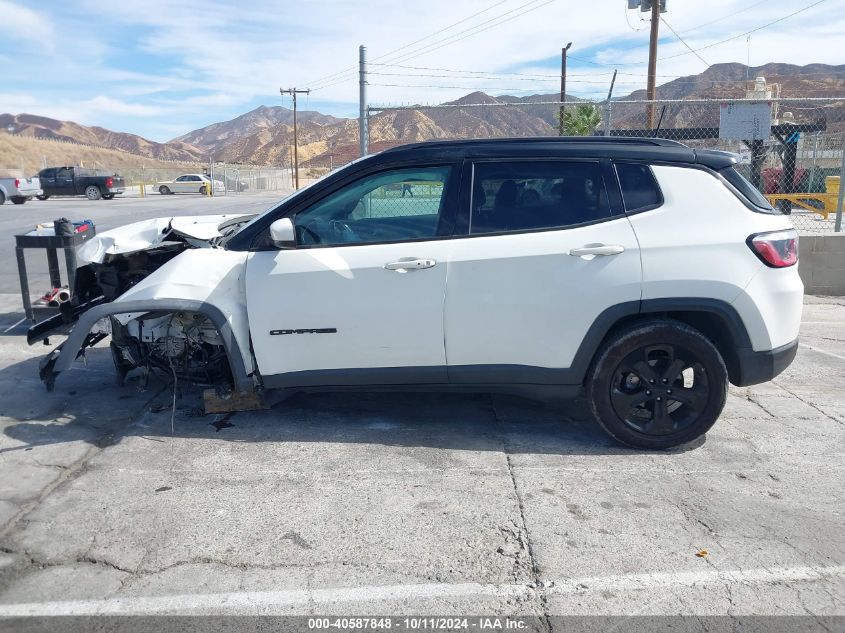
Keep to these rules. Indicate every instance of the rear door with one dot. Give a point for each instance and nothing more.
(548, 253)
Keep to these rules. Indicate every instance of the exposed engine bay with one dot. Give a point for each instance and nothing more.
(183, 344)
(186, 344)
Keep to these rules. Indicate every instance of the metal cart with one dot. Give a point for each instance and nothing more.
(51, 243)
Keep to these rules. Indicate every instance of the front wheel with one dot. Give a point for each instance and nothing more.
(108, 196)
(17, 199)
(92, 192)
(164, 190)
(657, 384)
(43, 196)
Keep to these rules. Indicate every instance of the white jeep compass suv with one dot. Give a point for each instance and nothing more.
(642, 271)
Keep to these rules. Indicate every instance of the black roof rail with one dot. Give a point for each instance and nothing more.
(607, 140)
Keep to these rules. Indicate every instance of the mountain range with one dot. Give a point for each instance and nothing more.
(264, 135)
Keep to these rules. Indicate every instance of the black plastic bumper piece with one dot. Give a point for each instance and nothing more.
(757, 367)
(59, 323)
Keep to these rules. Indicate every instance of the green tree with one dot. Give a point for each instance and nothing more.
(581, 120)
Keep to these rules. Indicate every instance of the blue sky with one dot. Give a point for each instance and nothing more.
(161, 68)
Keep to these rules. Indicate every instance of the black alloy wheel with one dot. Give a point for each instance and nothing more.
(657, 384)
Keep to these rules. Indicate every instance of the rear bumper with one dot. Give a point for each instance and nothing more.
(757, 367)
(115, 190)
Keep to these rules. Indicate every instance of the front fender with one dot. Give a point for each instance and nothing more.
(209, 281)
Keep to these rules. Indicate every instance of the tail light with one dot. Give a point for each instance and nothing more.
(109, 182)
(17, 183)
(777, 249)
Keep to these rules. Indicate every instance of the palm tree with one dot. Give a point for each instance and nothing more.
(582, 121)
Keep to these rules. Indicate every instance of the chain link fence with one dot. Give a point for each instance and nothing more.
(228, 179)
(797, 165)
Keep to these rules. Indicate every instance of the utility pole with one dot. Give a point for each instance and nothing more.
(562, 85)
(363, 132)
(609, 107)
(651, 89)
(293, 92)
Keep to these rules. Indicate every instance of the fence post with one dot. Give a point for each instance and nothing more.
(363, 114)
(838, 225)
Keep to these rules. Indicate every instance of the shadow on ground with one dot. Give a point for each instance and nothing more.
(88, 406)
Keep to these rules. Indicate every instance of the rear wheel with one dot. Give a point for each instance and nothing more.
(17, 199)
(657, 384)
(2, 197)
(92, 192)
(164, 190)
(43, 197)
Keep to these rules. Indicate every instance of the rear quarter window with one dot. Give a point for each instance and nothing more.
(747, 192)
(640, 191)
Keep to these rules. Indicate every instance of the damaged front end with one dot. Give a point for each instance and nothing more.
(169, 296)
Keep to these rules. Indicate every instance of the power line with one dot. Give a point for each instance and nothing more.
(701, 48)
(628, 20)
(538, 79)
(759, 28)
(474, 30)
(472, 88)
(682, 41)
(443, 30)
(725, 17)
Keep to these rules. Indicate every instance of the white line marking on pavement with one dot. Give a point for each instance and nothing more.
(12, 327)
(224, 602)
(821, 351)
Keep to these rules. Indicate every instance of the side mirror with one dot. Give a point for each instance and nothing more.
(282, 233)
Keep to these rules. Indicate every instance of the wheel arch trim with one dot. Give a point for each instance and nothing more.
(615, 315)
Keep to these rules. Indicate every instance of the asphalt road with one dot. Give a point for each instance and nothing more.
(106, 214)
(419, 503)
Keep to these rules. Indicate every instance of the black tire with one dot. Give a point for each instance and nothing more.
(638, 377)
(108, 196)
(92, 192)
(204, 190)
(17, 199)
(164, 190)
(2, 198)
(43, 197)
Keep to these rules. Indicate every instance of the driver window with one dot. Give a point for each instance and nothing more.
(390, 206)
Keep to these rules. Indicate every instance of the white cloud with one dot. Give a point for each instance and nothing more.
(27, 25)
(196, 60)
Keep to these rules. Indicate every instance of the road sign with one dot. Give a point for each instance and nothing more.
(745, 121)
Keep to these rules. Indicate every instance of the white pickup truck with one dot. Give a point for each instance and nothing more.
(19, 190)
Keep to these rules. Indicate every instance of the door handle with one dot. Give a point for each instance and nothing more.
(597, 249)
(409, 263)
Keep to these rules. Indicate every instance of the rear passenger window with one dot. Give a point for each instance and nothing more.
(526, 195)
(639, 189)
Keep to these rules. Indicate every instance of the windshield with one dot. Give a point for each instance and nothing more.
(232, 232)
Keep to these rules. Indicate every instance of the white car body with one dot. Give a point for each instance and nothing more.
(514, 308)
(190, 183)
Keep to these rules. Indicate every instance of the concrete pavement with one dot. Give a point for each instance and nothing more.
(417, 503)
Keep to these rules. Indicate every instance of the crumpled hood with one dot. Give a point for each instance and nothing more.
(145, 234)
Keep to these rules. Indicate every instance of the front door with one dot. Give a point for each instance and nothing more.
(360, 299)
(546, 256)
(65, 182)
